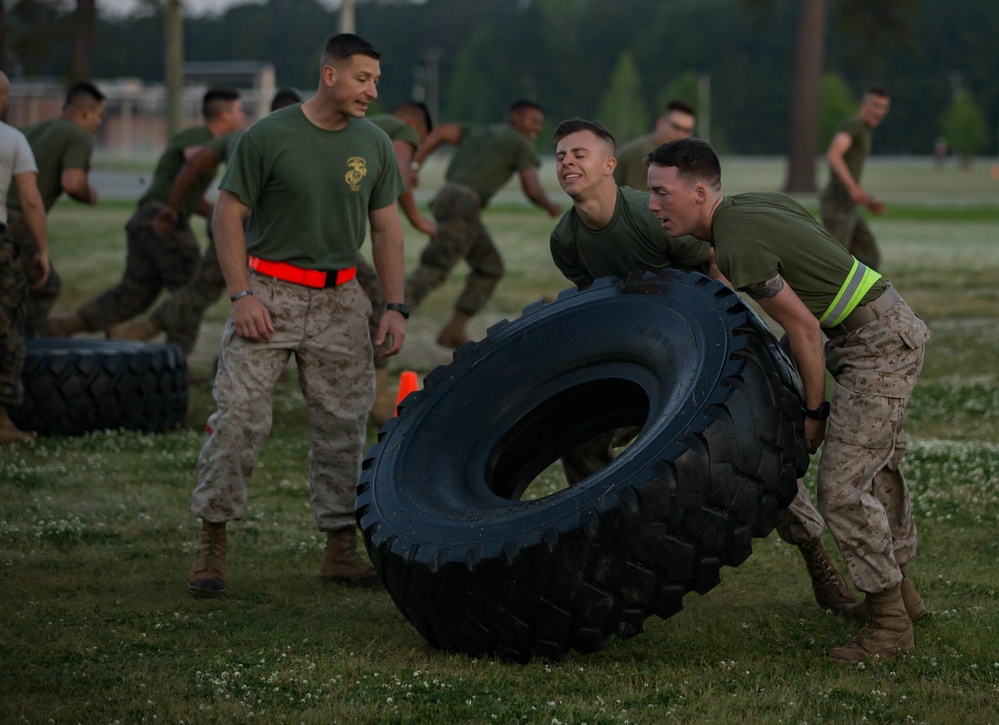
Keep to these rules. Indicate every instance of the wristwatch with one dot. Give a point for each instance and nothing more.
(820, 413)
(401, 307)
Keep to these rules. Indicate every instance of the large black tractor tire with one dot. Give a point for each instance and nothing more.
(477, 569)
(74, 386)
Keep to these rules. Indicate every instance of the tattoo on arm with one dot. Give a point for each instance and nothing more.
(765, 290)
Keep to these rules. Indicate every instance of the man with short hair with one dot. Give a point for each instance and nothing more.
(610, 232)
(771, 247)
(486, 158)
(848, 150)
(159, 258)
(17, 170)
(677, 121)
(302, 186)
(62, 148)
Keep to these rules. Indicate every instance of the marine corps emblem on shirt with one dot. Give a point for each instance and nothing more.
(358, 170)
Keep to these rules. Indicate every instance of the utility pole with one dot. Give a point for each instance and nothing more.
(174, 67)
(704, 107)
(348, 20)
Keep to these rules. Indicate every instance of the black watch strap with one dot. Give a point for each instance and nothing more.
(401, 307)
(820, 413)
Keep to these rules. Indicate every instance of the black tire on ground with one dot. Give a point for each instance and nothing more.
(478, 570)
(74, 386)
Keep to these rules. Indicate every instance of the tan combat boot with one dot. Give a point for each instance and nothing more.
(887, 632)
(914, 605)
(384, 407)
(10, 433)
(453, 334)
(207, 577)
(343, 565)
(66, 324)
(141, 328)
(830, 589)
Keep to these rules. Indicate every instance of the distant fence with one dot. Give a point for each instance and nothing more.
(135, 119)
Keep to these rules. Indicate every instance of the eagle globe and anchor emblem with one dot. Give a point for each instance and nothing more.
(358, 170)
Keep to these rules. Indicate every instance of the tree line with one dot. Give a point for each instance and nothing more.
(614, 62)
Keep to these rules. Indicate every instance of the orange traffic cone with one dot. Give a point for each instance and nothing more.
(408, 382)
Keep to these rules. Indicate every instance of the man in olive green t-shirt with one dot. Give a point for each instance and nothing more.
(769, 246)
(677, 121)
(848, 150)
(159, 258)
(62, 148)
(486, 158)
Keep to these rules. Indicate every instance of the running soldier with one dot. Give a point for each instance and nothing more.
(771, 247)
(62, 148)
(294, 202)
(157, 260)
(848, 150)
(485, 160)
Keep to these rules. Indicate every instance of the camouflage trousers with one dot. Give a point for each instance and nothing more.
(13, 313)
(842, 219)
(372, 286)
(153, 263)
(862, 494)
(180, 314)
(326, 331)
(460, 235)
(40, 299)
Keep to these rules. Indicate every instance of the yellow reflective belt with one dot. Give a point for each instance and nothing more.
(857, 284)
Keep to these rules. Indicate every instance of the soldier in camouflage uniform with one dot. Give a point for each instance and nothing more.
(874, 352)
(485, 160)
(18, 170)
(610, 232)
(848, 150)
(159, 258)
(62, 147)
(302, 185)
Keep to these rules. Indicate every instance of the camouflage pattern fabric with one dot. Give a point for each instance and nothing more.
(40, 299)
(842, 219)
(152, 263)
(326, 330)
(13, 313)
(460, 235)
(862, 493)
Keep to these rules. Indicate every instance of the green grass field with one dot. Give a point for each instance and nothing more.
(96, 539)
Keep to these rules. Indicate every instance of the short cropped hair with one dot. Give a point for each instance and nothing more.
(682, 106)
(523, 104)
(341, 46)
(82, 95)
(418, 109)
(877, 90)
(217, 100)
(575, 125)
(693, 158)
(285, 97)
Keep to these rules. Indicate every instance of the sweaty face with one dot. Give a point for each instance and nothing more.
(582, 161)
(354, 84)
(528, 121)
(674, 200)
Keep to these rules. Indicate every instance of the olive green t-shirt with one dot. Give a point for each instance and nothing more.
(854, 157)
(169, 165)
(488, 156)
(631, 169)
(310, 190)
(759, 235)
(633, 240)
(223, 146)
(57, 144)
(396, 128)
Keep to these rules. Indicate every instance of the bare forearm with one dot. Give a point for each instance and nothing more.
(387, 254)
